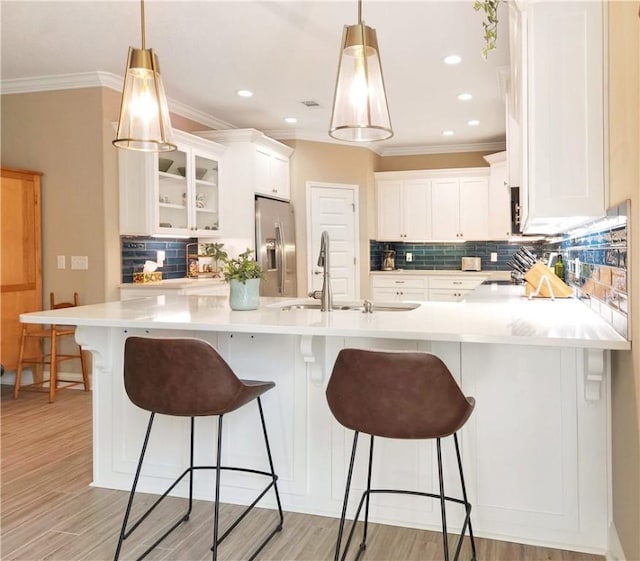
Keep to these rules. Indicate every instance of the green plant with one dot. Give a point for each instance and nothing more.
(213, 250)
(243, 268)
(490, 25)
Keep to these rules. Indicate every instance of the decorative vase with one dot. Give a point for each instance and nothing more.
(244, 296)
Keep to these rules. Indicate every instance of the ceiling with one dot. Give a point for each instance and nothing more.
(285, 52)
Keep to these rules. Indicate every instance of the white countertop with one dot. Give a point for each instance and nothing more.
(491, 314)
(176, 284)
(488, 275)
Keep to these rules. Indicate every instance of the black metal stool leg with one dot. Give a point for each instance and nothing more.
(445, 542)
(191, 446)
(123, 536)
(216, 508)
(363, 545)
(273, 473)
(467, 505)
(346, 496)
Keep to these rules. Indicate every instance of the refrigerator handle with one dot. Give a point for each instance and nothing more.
(280, 245)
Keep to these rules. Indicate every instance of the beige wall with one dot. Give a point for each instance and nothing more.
(332, 163)
(59, 133)
(434, 161)
(624, 162)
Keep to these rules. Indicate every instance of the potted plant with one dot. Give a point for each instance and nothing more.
(216, 252)
(243, 275)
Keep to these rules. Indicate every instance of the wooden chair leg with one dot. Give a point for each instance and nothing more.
(85, 373)
(53, 366)
(16, 388)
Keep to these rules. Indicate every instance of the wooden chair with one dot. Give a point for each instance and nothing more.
(53, 357)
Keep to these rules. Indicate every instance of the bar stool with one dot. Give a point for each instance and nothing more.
(398, 395)
(188, 378)
(53, 357)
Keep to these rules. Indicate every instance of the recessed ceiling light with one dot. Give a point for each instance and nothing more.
(465, 96)
(473, 123)
(447, 133)
(290, 120)
(452, 59)
(245, 93)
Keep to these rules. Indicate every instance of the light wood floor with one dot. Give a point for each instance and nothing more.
(50, 512)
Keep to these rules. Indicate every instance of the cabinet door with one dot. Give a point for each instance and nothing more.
(474, 208)
(279, 171)
(385, 294)
(415, 210)
(445, 209)
(204, 199)
(172, 198)
(499, 203)
(389, 210)
(411, 294)
(263, 163)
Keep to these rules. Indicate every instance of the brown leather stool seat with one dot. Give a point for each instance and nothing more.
(188, 378)
(398, 395)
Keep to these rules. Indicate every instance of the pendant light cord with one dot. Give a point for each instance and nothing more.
(142, 23)
(359, 11)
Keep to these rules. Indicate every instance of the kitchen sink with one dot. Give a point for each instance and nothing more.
(359, 307)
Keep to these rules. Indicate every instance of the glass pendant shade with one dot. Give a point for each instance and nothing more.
(144, 122)
(360, 111)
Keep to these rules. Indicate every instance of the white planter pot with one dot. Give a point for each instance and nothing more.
(244, 296)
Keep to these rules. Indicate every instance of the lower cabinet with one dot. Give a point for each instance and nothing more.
(452, 289)
(398, 288)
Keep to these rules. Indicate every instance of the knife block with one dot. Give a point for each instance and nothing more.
(534, 278)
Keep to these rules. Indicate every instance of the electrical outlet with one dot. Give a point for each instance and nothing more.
(160, 257)
(62, 264)
(79, 262)
(409, 257)
(494, 256)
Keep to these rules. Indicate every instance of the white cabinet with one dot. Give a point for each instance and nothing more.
(559, 102)
(452, 288)
(272, 174)
(403, 209)
(499, 197)
(398, 288)
(174, 193)
(460, 208)
(255, 160)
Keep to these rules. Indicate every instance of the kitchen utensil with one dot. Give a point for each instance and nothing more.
(555, 287)
(388, 260)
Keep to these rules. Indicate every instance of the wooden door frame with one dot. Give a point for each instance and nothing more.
(356, 227)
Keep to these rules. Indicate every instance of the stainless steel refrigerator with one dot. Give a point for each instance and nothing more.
(276, 247)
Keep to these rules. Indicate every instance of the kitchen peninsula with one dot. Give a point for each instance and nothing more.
(536, 450)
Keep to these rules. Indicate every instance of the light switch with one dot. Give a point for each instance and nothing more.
(409, 256)
(494, 256)
(79, 262)
(62, 262)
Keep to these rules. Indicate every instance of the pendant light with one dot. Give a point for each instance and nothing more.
(144, 122)
(360, 112)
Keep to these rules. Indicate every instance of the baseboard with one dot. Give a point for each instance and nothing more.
(9, 378)
(614, 551)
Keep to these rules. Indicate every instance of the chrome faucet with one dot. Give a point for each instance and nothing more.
(324, 295)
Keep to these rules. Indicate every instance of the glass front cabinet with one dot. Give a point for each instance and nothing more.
(172, 193)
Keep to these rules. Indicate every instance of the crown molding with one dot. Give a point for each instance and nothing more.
(442, 149)
(106, 80)
(61, 82)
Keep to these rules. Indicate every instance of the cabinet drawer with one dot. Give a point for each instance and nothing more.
(454, 283)
(398, 282)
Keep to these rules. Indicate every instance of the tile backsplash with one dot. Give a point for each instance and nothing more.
(434, 256)
(597, 264)
(135, 250)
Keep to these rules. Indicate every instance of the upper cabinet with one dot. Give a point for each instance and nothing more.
(403, 209)
(556, 121)
(460, 208)
(255, 160)
(433, 205)
(499, 197)
(173, 193)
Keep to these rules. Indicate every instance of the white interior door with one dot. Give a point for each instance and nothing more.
(334, 208)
